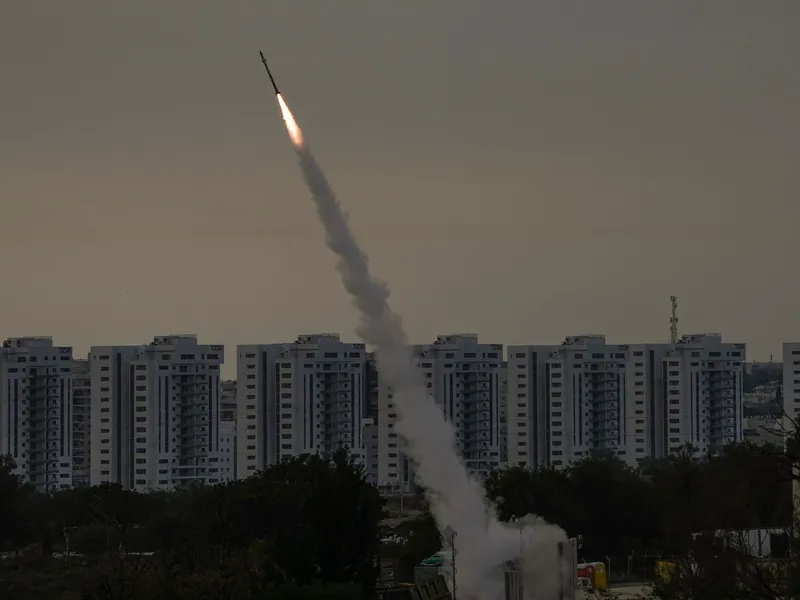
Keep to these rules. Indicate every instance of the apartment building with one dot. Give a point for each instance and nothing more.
(111, 407)
(304, 397)
(36, 410)
(81, 422)
(702, 393)
(503, 411)
(228, 403)
(791, 406)
(370, 450)
(585, 396)
(227, 431)
(463, 378)
(371, 409)
(157, 413)
(582, 396)
(791, 383)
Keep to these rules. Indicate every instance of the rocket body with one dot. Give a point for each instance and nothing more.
(271, 78)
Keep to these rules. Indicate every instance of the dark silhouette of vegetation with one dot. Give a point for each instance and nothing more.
(307, 527)
(311, 528)
(619, 510)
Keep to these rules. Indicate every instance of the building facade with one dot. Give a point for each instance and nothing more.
(305, 397)
(463, 377)
(585, 397)
(111, 420)
(157, 409)
(36, 418)
(702, 391)
(227, 431)
(81, 423)
(370, 450)
(791, 383)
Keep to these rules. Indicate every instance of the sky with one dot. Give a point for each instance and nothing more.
(521, 170)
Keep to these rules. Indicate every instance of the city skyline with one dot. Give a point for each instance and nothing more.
(520, 171)
(229, 370)
(534, 172)
(161, 414)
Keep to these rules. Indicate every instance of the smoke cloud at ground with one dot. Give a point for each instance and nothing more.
(457, 499)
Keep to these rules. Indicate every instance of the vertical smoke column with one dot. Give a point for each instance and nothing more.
(457, 499)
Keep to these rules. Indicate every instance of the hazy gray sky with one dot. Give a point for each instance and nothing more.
(524, 170)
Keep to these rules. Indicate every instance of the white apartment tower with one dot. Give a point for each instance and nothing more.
(81, 422)
(111, 417)
(157, 409)
(463, 378)
(305, 397)
(702, 394)
(36, 410)
(585, 396)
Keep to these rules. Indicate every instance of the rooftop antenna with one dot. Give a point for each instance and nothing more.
(673, 321)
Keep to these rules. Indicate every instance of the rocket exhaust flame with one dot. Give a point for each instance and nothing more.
(457, 499)
(295, 133)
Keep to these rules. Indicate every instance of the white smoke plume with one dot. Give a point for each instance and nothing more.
(457, 499)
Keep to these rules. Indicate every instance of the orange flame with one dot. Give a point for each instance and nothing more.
(295, 133)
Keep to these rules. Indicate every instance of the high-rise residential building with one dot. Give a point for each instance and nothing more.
(791, 408)
(157, 413)
(791, 384)
(703, 379)
(305, 397)
(373, 397)
(227, 408)
(111, 407)
(227, 431)
(503, 413)
(370, 450)
(585, 396)
(569, 400)
(81, 422)
(36, 410)
(463, 378)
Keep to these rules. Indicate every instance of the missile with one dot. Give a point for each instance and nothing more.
(271, 78)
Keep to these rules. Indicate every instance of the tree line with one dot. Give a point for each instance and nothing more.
(311, 527)
(305, 527)
(656, 508)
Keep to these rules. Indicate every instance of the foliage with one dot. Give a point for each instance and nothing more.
(311, 527)
(9, 491)
(302, 523)
(623, 513)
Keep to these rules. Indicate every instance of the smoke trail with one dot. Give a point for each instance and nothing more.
(457, 499)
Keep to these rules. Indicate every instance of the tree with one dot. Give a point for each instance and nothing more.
(311, 518)
(584, 499)
(10, 495)
(617, 510)
(517, 491)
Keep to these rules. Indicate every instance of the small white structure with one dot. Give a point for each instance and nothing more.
(758, 543)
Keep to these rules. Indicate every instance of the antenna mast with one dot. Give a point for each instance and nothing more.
(673, 321)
